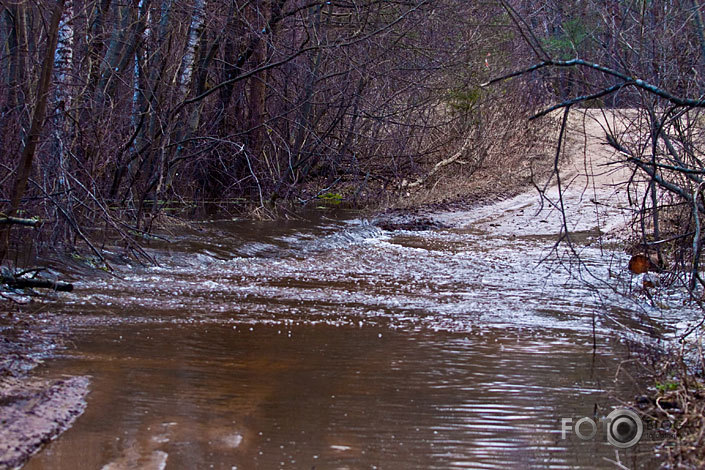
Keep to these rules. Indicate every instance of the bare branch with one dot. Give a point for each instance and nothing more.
(627, 79)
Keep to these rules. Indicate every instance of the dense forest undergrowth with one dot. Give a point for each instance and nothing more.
(114, 113)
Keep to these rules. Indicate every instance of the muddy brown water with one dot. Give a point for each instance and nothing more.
(331, 344)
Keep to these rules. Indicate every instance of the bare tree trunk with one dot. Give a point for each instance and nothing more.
(190, 66)
(701, 33)
(147, 164)
(24, 167)
(194, 33)
(63, 63)
(63, 57)
(258, 85)
(58, 166)
(15, 17)
(139, 56)
(5, 31)
(96, 44)
(303, 121)
(162, 178)
(113, 56)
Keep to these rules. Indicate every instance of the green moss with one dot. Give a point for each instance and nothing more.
(463, 100)
(667, 386)
(331, 198)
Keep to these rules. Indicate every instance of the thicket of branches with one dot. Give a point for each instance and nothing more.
(111, 109)
(646, 61)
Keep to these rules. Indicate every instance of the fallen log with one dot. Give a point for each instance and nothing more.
(19, 221)
(21, 283)
(454, 158)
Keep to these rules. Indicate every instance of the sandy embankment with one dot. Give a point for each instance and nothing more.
(593, 193)
(33, 412)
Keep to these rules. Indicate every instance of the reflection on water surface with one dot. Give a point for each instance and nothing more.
(334, 344)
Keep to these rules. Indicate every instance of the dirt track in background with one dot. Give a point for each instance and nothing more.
(591, 189)
(592, 193)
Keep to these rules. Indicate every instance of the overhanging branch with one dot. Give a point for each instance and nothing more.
(627, 79)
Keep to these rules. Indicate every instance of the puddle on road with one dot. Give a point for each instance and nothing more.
(332, 344)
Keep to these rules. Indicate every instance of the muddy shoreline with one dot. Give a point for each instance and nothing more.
(33, 410)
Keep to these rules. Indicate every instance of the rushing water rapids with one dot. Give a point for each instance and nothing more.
(330, 343)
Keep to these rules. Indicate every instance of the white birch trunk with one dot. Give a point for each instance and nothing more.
(195, 30)
(63, 64)
(63, 57)
(140, 57)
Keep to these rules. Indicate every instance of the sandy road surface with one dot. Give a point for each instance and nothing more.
(593, 197)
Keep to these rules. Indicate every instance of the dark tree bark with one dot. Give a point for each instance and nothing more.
(24, 166)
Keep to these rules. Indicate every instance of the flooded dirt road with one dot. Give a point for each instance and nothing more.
(329, 343)
(334, 344)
